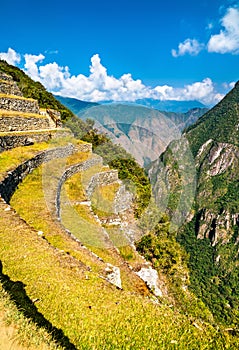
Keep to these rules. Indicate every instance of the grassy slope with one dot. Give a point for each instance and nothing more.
(19, 333)
(69, 297)
(220, 123)
(90, 312)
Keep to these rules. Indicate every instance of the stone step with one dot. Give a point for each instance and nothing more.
(26, 122)
(9, 87)
(18, 103)
(9, 140)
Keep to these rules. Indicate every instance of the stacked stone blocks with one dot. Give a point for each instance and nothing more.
(19, 115)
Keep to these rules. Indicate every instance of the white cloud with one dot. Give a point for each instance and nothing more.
(229, 86)
(11, 56)
(99, 86)
(189, 46)
(203, 91)
(227, 41)
(53, 75)
(30, 65)
(232, 84)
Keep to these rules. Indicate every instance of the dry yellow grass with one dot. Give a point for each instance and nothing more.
(16, 97)
(59, 286)
(5, 113)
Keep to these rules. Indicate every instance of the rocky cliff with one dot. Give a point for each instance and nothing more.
(143, 132)
(210, 225)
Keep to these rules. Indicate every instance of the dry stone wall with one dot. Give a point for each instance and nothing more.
(5, 77)
(123, 200)
(9, 88)
(102, 178)
(19, 104)
(12, 140)
(9, 184)
(18, 123)
(74, 169)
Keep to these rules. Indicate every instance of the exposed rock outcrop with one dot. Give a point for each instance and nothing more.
(113, 275)
(218, 165)
(151, 278)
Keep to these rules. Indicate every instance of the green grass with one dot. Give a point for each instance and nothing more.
(29, 200)
(92, 313)
(10, 159)
(17, 332)
(60, 286)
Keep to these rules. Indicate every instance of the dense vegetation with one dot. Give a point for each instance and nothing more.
(161, 248)
(34, 89)
(211, 238)
(216, 284)
(116, 157)
(220, 123)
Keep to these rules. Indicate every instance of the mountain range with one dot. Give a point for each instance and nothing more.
(195, 182)
(170, 105)
(162, 105)
(80, 280)
(197, 179)
(142, 131)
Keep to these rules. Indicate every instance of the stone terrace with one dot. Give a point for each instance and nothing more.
(20, 114)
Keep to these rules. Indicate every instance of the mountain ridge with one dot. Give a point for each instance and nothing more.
(210, 230)
(68, 290)
(142, 131)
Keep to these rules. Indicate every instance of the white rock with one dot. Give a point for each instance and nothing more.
(150, 277)
(113, 275)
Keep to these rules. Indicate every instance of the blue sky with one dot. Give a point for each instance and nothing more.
(125, 49)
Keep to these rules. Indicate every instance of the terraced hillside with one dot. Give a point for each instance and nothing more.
(63, 288)
(70, 276)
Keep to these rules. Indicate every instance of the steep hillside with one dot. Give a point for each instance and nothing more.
(76, 106)
(63, 289)
(171, 105)
(219, 124)
(70, 275)
(211, 174)
(143, 132)
(35, 90)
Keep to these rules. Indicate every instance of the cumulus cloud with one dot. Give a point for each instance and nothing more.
(100, 86)
(11, 56)
(203, 91)
(30, 65)
(189, 46)
(227, 41)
